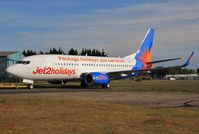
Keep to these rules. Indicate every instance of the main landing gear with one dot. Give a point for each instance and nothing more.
(106, 86)
(83, 84)
(31, 86)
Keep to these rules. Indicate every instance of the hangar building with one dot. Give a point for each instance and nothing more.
(8, 58)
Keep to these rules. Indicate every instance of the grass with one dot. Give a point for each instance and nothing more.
(29, 115)
(33, 113)
(156, 85)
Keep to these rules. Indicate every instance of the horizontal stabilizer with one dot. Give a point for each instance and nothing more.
(152, 69)
(158, 61)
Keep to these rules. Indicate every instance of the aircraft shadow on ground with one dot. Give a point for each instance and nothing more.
(67, 87)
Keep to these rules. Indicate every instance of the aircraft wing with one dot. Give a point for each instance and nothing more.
(129, 73)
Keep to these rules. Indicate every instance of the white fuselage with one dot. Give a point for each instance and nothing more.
(67, 67)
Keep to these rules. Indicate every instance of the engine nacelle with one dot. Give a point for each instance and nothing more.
(97, 78)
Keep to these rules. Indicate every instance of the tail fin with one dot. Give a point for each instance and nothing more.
(143, 54)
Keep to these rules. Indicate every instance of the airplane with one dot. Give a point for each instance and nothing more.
(90, 70)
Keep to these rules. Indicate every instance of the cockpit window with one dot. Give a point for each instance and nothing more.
(23, 62)
(19, 62)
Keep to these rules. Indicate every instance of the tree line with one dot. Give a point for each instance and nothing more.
(72, 51)
(161, 72)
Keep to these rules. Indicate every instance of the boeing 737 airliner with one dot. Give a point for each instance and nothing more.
(89, 70)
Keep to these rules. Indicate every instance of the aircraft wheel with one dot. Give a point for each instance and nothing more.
(106, 86)
(31, 86)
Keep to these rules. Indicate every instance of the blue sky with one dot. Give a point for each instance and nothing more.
(118, 26)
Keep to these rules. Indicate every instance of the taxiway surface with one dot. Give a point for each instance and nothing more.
(154, 99)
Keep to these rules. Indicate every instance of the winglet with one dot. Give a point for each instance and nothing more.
(188, 60)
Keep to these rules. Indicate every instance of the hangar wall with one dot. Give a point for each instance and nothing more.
(8, 58)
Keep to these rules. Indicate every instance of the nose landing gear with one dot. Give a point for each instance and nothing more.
(31, 86)
(30, 82)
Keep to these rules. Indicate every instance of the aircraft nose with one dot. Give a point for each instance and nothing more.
(11, 70)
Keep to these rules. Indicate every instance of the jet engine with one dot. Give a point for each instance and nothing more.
(96, 78)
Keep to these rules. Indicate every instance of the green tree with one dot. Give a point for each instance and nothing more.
(29, 52)
(72, 52)
(98, 53)
(93, 52)
(159, 72)
(55, 51)
(83, 52)
(89, 52)
(103, 53)
(197, 71)
(41, 52)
